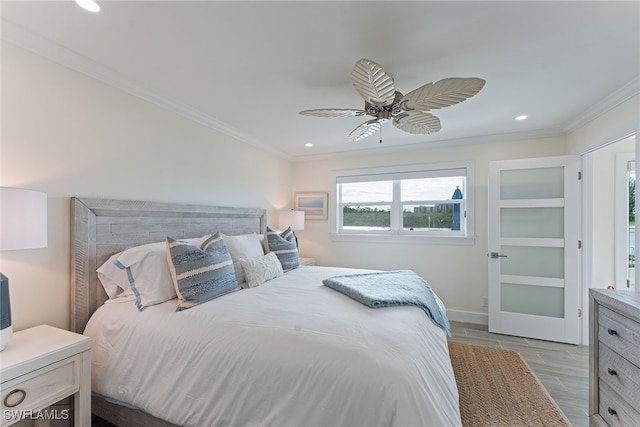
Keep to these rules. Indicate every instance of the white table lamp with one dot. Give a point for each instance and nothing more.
(293, 219)
(23, 225)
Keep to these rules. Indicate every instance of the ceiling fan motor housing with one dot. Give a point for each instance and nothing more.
(384, 113)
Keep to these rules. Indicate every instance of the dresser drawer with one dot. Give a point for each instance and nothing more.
(43, 387)
(614, 409)
(621, 375)
(620, 334)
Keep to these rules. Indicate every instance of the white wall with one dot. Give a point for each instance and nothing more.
(70, 135)
(458, 274)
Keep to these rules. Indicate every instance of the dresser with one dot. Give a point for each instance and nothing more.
(614, 358)
(40, 366)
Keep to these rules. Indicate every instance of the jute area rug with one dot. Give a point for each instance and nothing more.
(497, 388)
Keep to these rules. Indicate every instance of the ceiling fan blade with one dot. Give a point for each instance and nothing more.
(443, 93)
(364, 130)
(373, 83)
(417, 122)
(333, 112)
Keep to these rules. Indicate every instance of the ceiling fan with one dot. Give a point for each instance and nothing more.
(409, 112)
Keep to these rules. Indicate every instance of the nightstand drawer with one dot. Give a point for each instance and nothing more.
(620, 334)
(42, 387)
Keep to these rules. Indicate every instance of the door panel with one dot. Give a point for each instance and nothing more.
(533, 261)
(537, 300)
(538, 183)
(532, 222)
(534, 235)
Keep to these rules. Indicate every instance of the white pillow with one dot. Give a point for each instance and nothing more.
(144, 269)
(261, 269)
(125, 296)
(113, 280)
(243, 246)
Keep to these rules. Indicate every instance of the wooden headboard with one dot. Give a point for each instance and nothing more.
(102, 227)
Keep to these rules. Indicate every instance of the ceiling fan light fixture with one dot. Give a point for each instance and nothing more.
(89, 5)
(521, 117)
(410, 112)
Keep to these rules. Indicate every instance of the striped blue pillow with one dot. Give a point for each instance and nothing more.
(285, 247)
(200, 273)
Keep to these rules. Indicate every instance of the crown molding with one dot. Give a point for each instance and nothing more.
(453, 142)
(626, 92)
(41, 46)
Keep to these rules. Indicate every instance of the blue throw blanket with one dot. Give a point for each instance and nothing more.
(389, 289)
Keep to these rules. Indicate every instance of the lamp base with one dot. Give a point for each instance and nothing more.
(5, 312)
(5, 336)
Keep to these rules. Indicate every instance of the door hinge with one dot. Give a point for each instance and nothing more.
(579, 244)
(579, 312)
(579, 175)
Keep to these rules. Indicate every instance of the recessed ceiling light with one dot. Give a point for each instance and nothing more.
(90, 5)
(308, 144)
(522, 117)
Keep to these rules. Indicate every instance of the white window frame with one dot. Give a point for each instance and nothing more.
(466, 235)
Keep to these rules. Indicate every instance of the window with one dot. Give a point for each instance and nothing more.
(418, 202)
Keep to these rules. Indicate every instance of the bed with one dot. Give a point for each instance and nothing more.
(289, 352)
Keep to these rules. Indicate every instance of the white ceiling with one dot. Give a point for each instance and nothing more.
(247, 68)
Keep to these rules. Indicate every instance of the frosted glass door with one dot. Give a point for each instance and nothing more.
(533, 248)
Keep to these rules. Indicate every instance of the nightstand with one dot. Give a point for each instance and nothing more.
(39, 367)
(307, 261)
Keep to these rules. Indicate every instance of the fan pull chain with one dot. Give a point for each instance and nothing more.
(380, 134)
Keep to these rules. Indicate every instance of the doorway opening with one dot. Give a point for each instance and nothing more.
(625, 254)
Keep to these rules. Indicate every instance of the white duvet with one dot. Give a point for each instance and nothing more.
(290, 352)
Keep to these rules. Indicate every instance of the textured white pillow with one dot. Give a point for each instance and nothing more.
(243, 246)
(261, 269)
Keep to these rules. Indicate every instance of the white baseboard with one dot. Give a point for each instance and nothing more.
(468, 317)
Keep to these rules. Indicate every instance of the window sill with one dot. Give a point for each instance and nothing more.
(386, 238)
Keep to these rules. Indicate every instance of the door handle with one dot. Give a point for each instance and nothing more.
(495, 255)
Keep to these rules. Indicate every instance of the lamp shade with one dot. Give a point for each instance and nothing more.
(293, 219)
(23, 219)
(23, 225)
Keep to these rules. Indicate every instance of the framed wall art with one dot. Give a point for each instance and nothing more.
(314, 204)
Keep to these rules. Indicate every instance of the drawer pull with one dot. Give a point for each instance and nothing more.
(612, 331)
(10, 394)
(611, 371)
(611, 411)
